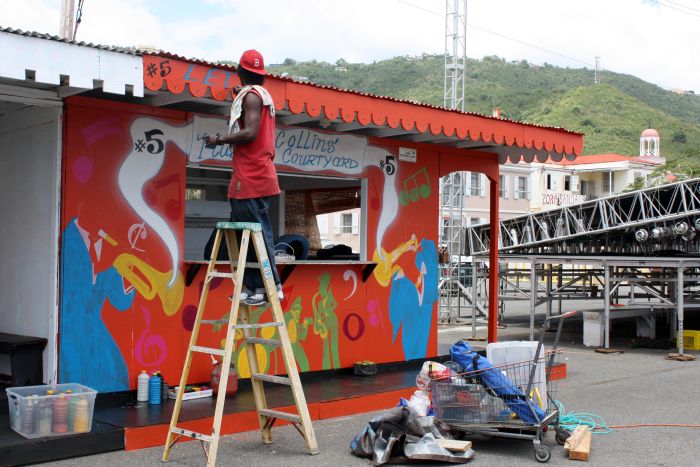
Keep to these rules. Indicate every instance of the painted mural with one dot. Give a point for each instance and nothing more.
(125, 306)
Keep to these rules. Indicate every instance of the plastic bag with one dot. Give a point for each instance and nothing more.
(420, 402)
(431, 370)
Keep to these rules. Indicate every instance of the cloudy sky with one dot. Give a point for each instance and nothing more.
(652, 39)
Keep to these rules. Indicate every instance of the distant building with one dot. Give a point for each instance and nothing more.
(531, 187)
(683, 92)
(340, 228)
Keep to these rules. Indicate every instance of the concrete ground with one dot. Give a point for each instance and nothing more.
(635, 387)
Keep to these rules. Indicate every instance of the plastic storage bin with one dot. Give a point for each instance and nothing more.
(691, 339)
(511, 352)
(43, 411)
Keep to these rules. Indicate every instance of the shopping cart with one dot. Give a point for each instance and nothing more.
(514, 401)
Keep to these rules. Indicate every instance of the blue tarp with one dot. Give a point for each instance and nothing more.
(498, 383)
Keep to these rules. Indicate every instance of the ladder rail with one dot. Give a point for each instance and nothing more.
(193, 341)
(232, 245)
(287, 351)
(257, 385)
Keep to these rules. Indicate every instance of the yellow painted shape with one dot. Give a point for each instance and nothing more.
(242, 364)
(292, 330)
(267, 333)
(386, 268)
(149, 282)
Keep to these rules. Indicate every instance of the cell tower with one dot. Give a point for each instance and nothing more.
(452, 186)
(596, 75)
(455, 53)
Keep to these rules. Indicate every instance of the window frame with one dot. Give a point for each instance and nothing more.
(196, 183)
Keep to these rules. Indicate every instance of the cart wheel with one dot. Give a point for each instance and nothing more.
(543, 454)
(562, 435)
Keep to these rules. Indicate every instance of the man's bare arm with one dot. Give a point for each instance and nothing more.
(252, 109)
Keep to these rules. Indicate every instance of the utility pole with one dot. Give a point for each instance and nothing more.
(67, 26)
(596, 75)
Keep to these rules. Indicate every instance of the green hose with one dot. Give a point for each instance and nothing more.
(571, 420)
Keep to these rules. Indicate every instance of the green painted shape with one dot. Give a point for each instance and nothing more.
(252, 226)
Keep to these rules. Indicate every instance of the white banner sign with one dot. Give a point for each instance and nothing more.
(312, 151)
(299, 148)
(201, 128)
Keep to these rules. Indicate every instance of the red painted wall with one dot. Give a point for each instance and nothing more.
(125, 309)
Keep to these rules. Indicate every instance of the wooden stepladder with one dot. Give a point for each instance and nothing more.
(266, 417)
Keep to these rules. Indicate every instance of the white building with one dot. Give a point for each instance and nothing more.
(531, 187)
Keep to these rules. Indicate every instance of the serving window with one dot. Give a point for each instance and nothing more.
(327, 212)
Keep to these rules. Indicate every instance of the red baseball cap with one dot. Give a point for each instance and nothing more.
(252, 61)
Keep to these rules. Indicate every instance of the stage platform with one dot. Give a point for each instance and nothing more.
(121, 423)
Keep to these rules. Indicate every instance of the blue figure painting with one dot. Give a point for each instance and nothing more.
(88, 353)
(411, 306)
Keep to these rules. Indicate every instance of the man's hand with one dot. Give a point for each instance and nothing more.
(212, 140)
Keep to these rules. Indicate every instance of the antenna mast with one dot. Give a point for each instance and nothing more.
(452, 186)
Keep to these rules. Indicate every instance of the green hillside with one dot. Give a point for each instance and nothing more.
(612, 114)
(612, 120)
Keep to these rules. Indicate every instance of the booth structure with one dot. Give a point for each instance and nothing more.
(110, 196)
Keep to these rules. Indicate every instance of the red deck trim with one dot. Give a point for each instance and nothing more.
(154, 435)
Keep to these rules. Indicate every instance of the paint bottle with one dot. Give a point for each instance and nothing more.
(154, 391)
(71, 407)
(60, 414)
(28, 415)
(45, 417)
(215, 378)
(142, 387)
(81, 419)
(163, 389)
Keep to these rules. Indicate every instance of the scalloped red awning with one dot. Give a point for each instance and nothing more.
(208, 80)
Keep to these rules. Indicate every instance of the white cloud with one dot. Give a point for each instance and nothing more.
(637, 37)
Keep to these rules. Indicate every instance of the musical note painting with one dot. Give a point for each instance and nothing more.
(415, 187)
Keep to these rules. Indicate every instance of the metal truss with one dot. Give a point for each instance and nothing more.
(452, 290)
(613, 287)
(648, 221)
(452, 238)
(455, 53)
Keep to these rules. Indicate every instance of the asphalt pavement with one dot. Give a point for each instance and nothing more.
(636, 387)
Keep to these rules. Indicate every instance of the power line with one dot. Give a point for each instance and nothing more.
(78, 17)
(441, 15)
(670, 5)
(683, 6)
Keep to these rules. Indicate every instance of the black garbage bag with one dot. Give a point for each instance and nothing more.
(397, 436)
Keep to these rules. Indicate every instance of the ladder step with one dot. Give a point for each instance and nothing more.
(209, 350)
(226, 275)
(292, 417)
(252, 226)
(263, 341)
(259, 325)
(192, 434)
(272, 378)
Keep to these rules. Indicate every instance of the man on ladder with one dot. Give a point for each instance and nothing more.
(254, 178)
(253, 183)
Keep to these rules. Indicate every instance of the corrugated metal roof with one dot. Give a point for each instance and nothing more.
(111, 48)
(165, 54)
(530, 139)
